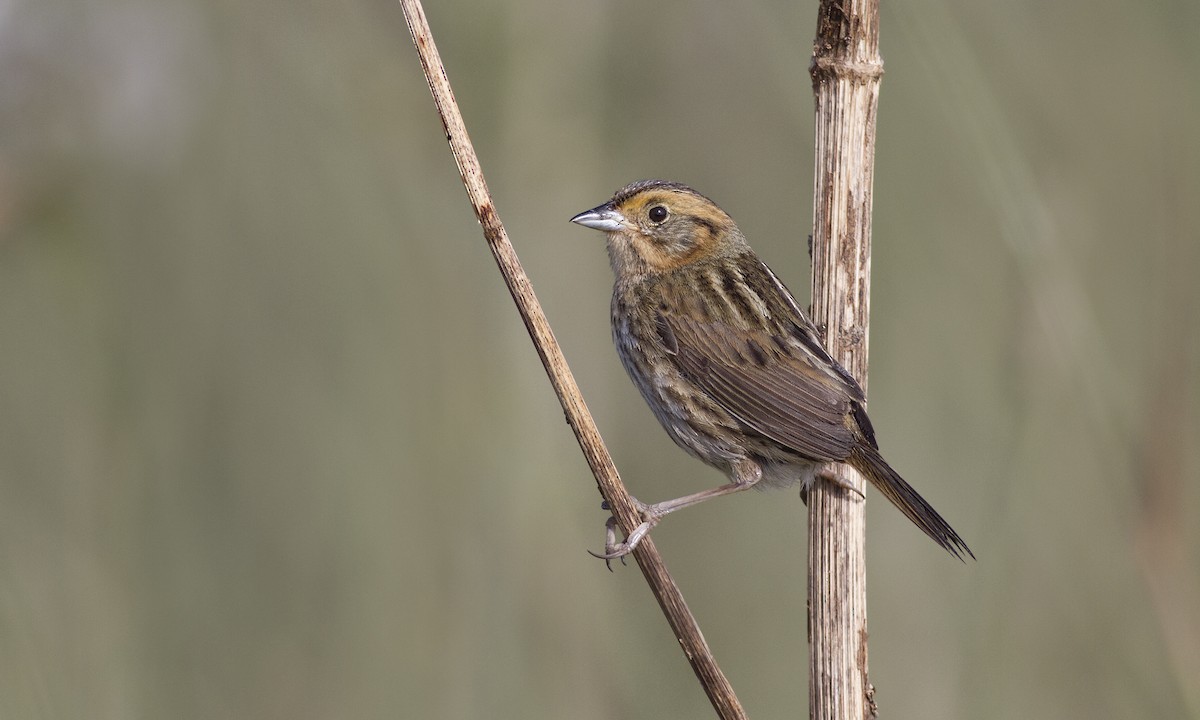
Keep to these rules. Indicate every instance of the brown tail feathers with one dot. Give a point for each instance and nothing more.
(870, 463)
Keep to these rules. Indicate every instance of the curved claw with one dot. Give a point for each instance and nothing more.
(607, 560)
(610, 541)
(614, 550)
(837, 480)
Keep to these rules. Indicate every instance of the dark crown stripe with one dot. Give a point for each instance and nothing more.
(640, 186)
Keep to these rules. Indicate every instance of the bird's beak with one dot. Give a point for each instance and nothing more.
(601, 217)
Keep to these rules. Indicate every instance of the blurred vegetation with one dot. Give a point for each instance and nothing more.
(274, 444)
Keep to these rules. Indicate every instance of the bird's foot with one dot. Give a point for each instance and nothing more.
(836, 478)
(617, 550)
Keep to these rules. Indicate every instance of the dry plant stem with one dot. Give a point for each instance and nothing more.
(845, 69)
(1161, 542)
(719, 691)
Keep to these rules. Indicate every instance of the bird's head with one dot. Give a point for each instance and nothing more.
(654, 226)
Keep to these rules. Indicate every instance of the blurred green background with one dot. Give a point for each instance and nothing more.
(274, 443)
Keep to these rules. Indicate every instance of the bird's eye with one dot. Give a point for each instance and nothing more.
(658, 213)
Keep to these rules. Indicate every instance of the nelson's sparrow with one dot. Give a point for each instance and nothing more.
(729, 363)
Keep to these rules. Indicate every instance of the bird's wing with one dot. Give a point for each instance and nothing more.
(776, 378)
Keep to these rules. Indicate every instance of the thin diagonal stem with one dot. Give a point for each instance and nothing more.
(719, 691)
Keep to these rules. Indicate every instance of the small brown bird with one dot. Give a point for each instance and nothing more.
(729, 363)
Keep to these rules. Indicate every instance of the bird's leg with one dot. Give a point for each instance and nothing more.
(745, 474)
